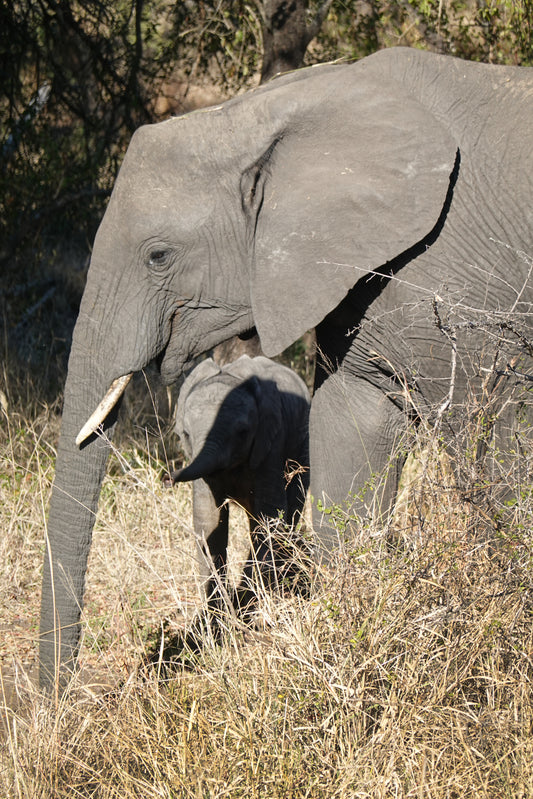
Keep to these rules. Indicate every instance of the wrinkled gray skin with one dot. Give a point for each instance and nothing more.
(368, 200)
(245, 429)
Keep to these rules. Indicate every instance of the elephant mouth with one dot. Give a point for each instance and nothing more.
(171, 361)
(104, 408)
(115, 392)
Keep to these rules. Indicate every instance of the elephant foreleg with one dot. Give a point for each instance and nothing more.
(211, 524)
(274, 560)
(355, 430)
(260, 564)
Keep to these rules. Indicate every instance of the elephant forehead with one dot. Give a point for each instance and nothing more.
(227, 392)
(159, 176)
(174, 152)
(148, 204)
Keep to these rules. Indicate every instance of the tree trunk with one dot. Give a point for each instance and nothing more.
(287, 33)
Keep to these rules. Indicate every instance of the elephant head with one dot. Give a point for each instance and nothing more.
(226, 418)
(261, 212)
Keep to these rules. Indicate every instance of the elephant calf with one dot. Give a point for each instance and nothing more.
(244, 427)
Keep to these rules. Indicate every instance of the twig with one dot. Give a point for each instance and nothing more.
(450, 334)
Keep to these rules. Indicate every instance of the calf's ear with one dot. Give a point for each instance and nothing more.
(269, 419)
(205, 369)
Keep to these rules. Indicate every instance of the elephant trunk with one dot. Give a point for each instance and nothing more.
(78, 476)
(204, 464)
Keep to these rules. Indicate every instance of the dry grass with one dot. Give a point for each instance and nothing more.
(408, 673)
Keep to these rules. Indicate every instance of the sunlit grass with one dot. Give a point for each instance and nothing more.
(407, 672)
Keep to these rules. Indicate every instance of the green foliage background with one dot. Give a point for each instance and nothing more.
(103, 65)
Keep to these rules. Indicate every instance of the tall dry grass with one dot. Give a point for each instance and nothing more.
(407, 672)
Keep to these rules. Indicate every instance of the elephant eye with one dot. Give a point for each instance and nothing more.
(158, 259)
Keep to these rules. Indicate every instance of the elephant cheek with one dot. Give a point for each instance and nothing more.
(171, 367)
(174, 358)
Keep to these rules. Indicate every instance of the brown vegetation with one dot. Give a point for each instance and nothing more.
(408, 672)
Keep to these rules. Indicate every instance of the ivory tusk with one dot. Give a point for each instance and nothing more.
(100, 414)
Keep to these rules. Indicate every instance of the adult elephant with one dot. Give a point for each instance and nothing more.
(387, 203)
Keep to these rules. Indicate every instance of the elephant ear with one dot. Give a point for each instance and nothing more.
(205, 369)
(353, 172)
(268, 431)
(256, 373)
